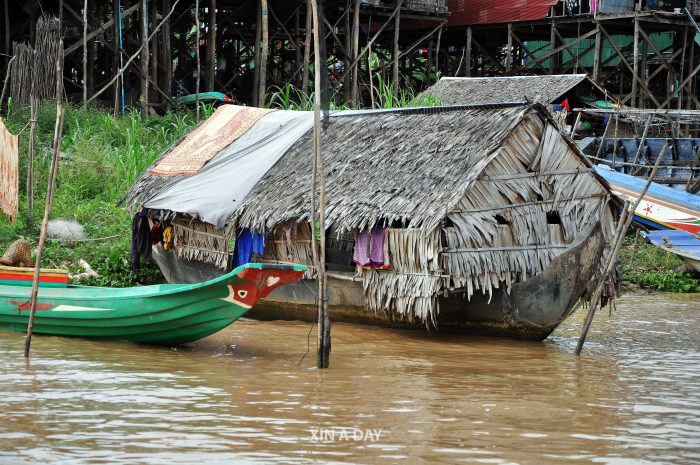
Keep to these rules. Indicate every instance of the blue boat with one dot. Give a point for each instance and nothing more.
(681, 243)
(661, 208)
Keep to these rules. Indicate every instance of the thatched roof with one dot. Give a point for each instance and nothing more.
(409, 166)
(492, 90)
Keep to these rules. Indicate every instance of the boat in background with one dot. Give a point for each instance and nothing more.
(168, 314)
(661, 208)
(681, 243)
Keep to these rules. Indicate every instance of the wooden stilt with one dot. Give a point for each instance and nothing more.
(437, 54)
(8, 51)
(144, 57)
(635, 65)
(395, 62)
(348, 51)
(197, 57)
(553, 62)
(153, 58)
(115, 62)
(264, 52)
(468, 54)
(211, 47)
(307, 50)
(85, 52)
(258, 39)
(166, 57)
(297, 46)
(355, 52)
(509, 48)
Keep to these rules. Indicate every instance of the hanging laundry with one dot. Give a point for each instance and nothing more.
(168, 238)
(9, 172)
(140, 239)
(156, 231)
(248, 244)
(371, 248)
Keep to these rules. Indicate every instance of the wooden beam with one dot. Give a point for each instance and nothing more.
(264, 52)
(211, 47)
(395, 64)
(565, 46)
(509, 47)
(144, 57)
(355, 51)
(468, 53)
(635, 66)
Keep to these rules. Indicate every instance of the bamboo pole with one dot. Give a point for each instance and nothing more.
(307, 50)
(85, 52)
(258, 37)
(623, 224)
(211, 47)
(7, 33)
(7, 80)
(117, 52)
(324, 342)
(468, 53)
(153, 59)
(348, 51)
(44, 224)
(264, 52)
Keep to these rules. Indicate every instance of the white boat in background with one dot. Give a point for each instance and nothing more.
(681, 243)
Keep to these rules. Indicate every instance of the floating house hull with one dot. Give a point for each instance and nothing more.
(532, 309)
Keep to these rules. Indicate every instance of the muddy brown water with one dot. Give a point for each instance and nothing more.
(390, 396)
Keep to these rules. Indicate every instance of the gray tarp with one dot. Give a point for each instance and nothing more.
(214, 192)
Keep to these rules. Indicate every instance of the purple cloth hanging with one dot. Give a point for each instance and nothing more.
(376, 246)
(361, 255)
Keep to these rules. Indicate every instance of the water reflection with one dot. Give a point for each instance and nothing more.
(240, 397)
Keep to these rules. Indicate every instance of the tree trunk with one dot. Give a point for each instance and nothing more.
(144, 57)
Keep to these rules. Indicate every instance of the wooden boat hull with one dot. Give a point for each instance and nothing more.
(168, 314)
(532, 310)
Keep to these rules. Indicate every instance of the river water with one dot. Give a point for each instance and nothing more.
(241, 396)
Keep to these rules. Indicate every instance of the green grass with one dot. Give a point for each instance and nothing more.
(102, 157)
(652, 268)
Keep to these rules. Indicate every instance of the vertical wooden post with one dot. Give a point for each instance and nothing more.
(144, 57)
(355, 52)
(8, 52)
(429, 62)
(437, 52)
(297, 46)
(117, 50)
(167, 59)
(264, 51)
(197, 57)
(324, 334)
(348, 51)
(92, 7)
(681, 71)
(258, 38)
(307, 50)
(635, 55)
(34, 107)
(85, 52)
(468, 53)
(211, 47)
(153, 59)
(597, 56)
(395, 62)
(509, 47)
(553, 60)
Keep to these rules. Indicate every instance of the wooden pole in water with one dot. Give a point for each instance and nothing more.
(624, 223)
(324, 331)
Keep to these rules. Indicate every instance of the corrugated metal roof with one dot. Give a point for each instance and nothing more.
(467, 12)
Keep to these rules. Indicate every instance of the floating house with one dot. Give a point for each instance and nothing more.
(461, 218)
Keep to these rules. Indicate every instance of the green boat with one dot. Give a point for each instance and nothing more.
(167, 314)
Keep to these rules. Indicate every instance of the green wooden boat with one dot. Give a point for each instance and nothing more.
(167, 314)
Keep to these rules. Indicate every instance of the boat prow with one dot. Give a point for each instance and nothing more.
(168, 314)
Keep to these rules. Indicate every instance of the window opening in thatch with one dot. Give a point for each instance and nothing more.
(553, 217)
(339, 250)
(500, 219)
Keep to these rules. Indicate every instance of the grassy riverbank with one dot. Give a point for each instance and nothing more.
(101, 158)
